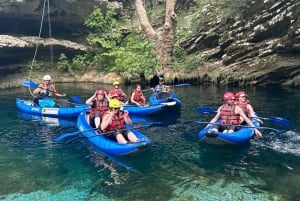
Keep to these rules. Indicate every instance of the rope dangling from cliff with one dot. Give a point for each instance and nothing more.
(38, 41)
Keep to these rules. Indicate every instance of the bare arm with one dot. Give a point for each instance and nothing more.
(107, 118)
(132, 99)
(38, 89)
(127, 118)
(53, 89)
(252, 113)
(249, 122)
(91, 99)
(216, 117)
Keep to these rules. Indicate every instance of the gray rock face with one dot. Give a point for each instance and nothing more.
(24, 16)
(263, 48)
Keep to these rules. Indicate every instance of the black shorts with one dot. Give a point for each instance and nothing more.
(113, 135)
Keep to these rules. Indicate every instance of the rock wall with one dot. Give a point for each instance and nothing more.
(261, 49)
(23, 17)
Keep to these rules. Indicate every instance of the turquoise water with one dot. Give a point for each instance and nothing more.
(177, 167)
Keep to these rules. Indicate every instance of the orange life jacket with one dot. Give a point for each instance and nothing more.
(98, 106)
(228, 115)
(117, 93)
(138, 94)
(117, 123)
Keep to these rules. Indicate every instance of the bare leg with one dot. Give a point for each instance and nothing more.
(132, 137)
(97, 122)
(121, 139)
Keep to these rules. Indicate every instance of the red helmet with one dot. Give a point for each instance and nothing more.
(100, 91)
(240, 93)
(228, 96)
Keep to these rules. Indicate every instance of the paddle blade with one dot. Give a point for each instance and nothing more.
(206, 110)
(279, 121)
(76, 99)
(29, 83)
(64, 135)
(182, 85)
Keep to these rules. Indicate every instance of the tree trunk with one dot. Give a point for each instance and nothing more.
(164, 48)
(143, 18)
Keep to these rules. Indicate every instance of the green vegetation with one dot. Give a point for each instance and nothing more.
(112, 48)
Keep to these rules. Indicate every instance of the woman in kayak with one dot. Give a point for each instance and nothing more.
(113, 124)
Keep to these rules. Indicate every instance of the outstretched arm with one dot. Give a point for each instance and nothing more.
(249, 122)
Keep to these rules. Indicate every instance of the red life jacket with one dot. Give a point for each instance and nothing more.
(117, 93)
(243, 105)
(98, 106)
(138, 94)
(228, 115)
(117, 123)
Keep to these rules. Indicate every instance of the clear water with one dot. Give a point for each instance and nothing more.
(177, 167)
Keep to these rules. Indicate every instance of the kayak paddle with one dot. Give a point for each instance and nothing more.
(260, 128)
(32, 84)
(66, 135)
(176, 85)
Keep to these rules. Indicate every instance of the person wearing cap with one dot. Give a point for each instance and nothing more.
(113, 124)
(230, 115)
(244, 103)
(46, 88)
(161, 87)
(98, 103)
(117, 93)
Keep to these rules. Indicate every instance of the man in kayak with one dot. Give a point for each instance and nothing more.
(230, 114)
(113, 124)
(244, 103)
(46, 89)
(99, 105)
(161, 87)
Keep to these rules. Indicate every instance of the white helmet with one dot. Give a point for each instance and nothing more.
(47, 77)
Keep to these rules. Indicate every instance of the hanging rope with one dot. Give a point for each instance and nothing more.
(37, 43)
(51, 47)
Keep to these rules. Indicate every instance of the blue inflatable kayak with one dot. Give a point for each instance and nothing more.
(107, 145)
(243, 135)
(142, 110)
(72, 110)
(164, 98)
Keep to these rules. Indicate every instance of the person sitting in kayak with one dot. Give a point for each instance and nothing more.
(99, 105)
(137, 96)
(117, 93)
(244, 103)
(45, 89)
(230, 114)
(162, 90)
(113, 124)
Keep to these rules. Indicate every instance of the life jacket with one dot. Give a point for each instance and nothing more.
(46, 92)
(228, 115)
(98, 106)
(117, 123)
(138, 96)
(243, 105)
(119, 92)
